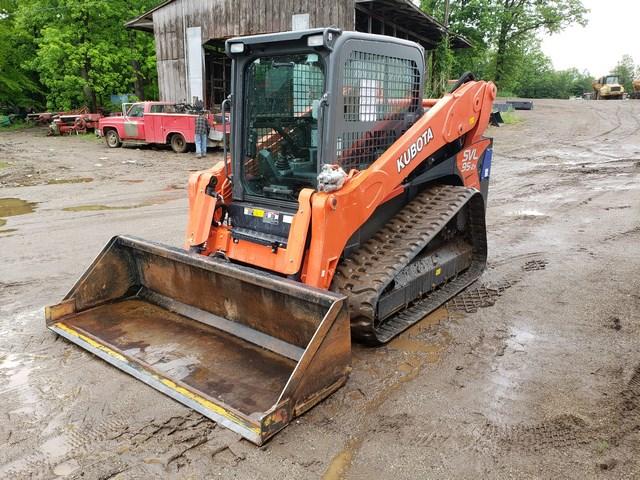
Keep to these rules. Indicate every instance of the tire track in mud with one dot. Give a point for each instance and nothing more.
(567, 430)
(600, 114)
(60, 447)
(559, 432)
(474, 297)
(626, 233)
(620, 122)
(168, 440)
(420, 354)
(483, 295)
(626, 421)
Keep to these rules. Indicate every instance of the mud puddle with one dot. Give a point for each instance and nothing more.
(419, 353)
(11, 207)
(61, 181)
(100, 207)
(131, 181)
(16, 373)
(527, 213)
(97, 208)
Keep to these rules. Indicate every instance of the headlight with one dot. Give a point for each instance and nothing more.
(315, 41)
(237, 47)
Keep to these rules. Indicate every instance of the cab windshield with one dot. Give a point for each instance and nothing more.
(281, 109)
(612, 80)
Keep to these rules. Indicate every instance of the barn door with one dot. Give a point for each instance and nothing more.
(195, 55)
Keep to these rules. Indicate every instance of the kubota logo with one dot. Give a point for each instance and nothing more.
(415, 148)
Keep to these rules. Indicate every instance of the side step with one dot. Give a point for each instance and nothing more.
(244, 348)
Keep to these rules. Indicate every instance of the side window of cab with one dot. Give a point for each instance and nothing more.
(136, 110)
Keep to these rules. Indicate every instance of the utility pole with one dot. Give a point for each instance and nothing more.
(446, 14)
(443, 76)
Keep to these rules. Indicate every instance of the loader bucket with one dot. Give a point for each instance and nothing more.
(244, 348)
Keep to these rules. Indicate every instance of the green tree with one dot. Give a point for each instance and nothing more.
(582, 83)
(535, 77)
(471, 19)
(520, 19)
(84, 53)
(625, 69)
(502, 32)
(18, 86)
(475, 21)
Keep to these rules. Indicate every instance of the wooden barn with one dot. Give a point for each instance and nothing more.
(190, 34)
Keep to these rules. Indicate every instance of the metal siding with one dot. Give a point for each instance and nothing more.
(221, 19)
(169, 36)
(227, 18)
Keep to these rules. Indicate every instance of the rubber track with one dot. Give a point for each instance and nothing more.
(365, 274)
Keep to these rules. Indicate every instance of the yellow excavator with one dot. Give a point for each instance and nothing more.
(349, 206)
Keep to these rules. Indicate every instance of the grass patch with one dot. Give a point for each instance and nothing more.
(3, 164)
(15, 126)
(602, 446)
(511, 118)
(89, 136)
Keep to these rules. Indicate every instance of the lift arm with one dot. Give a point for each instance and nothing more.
(337, 216)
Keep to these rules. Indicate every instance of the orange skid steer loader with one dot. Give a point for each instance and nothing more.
(348, 207)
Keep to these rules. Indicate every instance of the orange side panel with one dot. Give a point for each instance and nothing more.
(287, 261)
(201, 205)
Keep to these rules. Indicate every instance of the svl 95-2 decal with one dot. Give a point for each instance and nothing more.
(469, 160)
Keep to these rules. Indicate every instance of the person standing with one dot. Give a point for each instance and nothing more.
(202, 133)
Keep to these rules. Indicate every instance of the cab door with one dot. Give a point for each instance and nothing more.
(134, 122)
(154, 123)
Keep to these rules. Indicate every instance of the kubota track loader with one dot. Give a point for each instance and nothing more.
(348, 207)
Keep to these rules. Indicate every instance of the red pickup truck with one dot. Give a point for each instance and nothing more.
(156, 123)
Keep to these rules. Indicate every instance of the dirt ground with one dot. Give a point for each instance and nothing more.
(533, 372)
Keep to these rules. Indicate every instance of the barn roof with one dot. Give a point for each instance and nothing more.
(403, 12)
(145, 21)
(412, 18)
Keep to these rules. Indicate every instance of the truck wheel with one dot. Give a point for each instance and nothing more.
(178, 143)
(113, 139)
